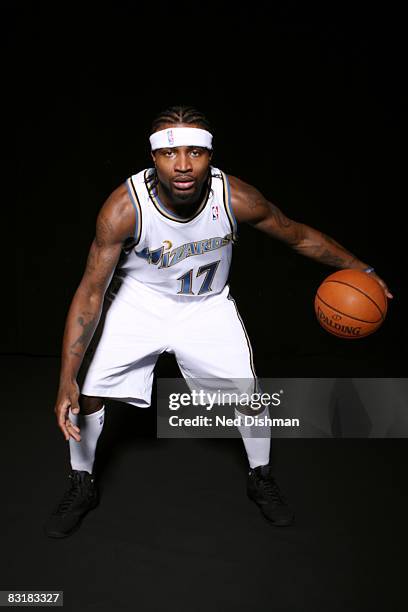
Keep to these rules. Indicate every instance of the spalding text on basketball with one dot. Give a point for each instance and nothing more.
(345, 329)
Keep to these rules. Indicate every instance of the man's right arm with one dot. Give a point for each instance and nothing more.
(115, 223)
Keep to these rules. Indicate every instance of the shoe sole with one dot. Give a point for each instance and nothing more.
(74, 529)
(281, 523)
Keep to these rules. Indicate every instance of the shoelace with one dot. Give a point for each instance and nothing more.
(271, 490)
(69, 496)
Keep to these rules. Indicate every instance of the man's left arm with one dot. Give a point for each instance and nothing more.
(250, 206)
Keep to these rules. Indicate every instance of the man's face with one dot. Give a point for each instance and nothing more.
(182, 171)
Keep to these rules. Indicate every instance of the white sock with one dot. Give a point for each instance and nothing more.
(83, 452)
(257, 448)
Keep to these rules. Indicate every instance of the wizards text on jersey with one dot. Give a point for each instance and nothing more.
(166, 259)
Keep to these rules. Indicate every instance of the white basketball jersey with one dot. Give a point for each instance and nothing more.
(176, 255)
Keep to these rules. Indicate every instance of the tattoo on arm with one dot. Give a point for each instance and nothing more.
(102, 258)
(279, 217)
(88, 330)
(113, 226)
(104, 230)
(91, 263)
(331, 259)
(326, 250)
(271, 219)
(336, 259)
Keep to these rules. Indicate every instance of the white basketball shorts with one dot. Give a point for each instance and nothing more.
(206, 335)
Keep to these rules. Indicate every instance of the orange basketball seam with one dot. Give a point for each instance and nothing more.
(360, 291)
(345, 314)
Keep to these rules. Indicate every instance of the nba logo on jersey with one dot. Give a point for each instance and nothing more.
(170, 136)
(215, 212)
(101, 420)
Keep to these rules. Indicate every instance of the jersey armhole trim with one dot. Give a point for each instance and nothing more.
(138, 209)
(228, 206)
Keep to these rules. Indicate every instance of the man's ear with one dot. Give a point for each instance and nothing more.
(153, 157)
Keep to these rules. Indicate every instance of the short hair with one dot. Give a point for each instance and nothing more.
(181, 114)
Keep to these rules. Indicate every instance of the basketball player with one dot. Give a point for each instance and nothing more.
(167, 233)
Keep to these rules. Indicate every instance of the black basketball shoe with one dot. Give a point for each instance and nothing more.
(264, 491)
(81, 496)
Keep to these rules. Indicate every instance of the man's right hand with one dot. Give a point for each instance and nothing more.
(67, 398)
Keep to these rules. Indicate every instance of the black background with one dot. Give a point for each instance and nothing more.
(306, 104)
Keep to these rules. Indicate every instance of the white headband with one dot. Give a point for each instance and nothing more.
(179, 137)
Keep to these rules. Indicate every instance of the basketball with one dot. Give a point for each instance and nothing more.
(350, 304)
